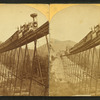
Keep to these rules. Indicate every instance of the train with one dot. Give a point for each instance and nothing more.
(95, 32)
(21, 31)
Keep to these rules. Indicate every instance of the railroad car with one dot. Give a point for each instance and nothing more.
(35, 25)
(26, 28)
(30, 26)
(22, 31)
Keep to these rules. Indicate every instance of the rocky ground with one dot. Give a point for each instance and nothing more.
(58, 85)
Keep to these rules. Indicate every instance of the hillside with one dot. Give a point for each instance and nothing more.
(43, 50)
(61, 45)
(57, 46)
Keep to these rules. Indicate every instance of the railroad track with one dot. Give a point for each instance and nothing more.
(93, 43)
(32, 36)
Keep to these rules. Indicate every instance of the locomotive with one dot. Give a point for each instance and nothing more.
(88, 38)
(22, 31)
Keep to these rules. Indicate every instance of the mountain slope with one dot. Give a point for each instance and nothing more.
(61, 45)
(43, 50)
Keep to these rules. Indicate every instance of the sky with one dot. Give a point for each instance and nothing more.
(67, 21)
(74, 22)
(14, 15)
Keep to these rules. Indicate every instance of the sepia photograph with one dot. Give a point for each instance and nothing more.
(74, 50)
(24, 49)
(50, 50)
